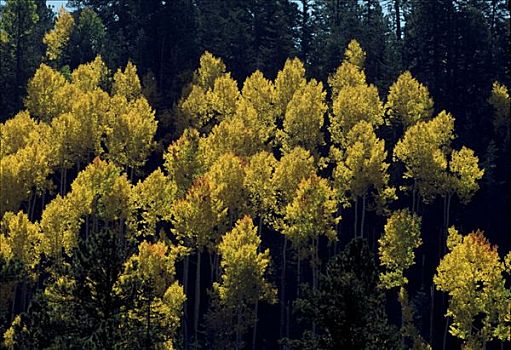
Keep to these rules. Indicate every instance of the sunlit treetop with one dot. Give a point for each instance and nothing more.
(16, 133)
(261, 94)
(401, 237)
(500, 101)
(210, 68)
(355, 55)
(472, 273)
(127, 83)
(408, 101)
(243, 266)
(351, 70)
(182, 161)
(101, 189)
(288, 81)
(58, 38)
(197, 216)
(292, 168)
(352, 105)
(304, 118)
(311, 213)
(48, 94)
(20, 239)
(153, 200)
(90, 76)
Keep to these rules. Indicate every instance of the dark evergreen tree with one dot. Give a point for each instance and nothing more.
(23, 24)
(79, 308)
(348, 308)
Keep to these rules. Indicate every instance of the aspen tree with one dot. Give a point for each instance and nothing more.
(472, 274)
(408, 101)
(243, 283)
(57, 39)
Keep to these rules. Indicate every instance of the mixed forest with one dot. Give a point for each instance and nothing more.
(249, 174)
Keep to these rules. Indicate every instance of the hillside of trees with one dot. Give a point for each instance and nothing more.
(309, 174)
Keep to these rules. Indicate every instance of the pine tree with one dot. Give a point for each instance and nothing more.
(348, 307)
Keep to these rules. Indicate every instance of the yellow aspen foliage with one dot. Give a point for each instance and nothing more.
(196, 216)
(211, 97)
(100, 189)
(311, 213)
(131, 126)
(154, 264)
(350, 72)
(209, 70)
(194, 110)
(182, 160)
(91, 109)
(90, 76)
(423, 150)
(304, 118)
(261, 94)
(244, 268)
(472, 274)
(352, 105)
(401, 236)
(20, 239)
(500, 101)
(58, 38)
(290, 79)
(68, 140)
(48, 94)
(408, 101)
(362, 167)
(355, 55)
(226, 178)
(16, 133)
(25, 171)
(223, 97)
(258, 184)
(60, 226)
(157, 304)
(243, 135)
(292, 168)
(153, 200)
(126, 83)
(465, 172)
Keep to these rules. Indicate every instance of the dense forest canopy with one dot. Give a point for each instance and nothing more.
(308, 174)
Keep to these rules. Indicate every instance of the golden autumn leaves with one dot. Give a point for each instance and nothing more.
(266, 151)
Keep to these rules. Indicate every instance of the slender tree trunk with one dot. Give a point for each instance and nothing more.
(197, 300)
(32, 208)
(238, 324)
(298, 275)
(211, 266)
(61, 189)
(283, 292)
(186, 265)
(14, 298)
(448, 212)
(356, 218)
(444, 342)
(254, 332)
(431, 314)
(363, 215)
(397, 10)
(148, 333)
(413, 196)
